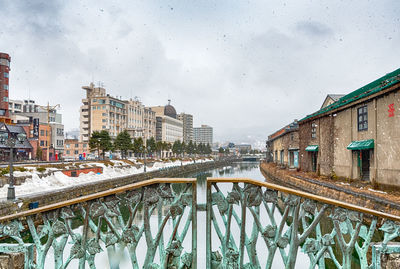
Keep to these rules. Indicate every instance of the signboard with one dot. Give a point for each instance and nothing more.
(36, 128)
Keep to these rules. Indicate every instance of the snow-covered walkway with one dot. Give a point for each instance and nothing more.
(58, 180)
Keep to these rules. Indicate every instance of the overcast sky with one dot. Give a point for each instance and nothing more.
(246, 68)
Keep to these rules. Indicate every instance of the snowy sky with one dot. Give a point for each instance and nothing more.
(246, 68)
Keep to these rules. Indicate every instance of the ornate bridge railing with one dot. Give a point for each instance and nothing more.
(149, 222)
(249, 224)
(253, 224)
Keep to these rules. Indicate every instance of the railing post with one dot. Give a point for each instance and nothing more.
(242, 232)
(194, 225)
(208, 226)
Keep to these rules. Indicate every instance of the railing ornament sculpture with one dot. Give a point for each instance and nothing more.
(252, 207)
(108, 223)
(249, 224)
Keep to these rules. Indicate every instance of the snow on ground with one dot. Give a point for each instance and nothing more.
(377, 191)
(58, 180)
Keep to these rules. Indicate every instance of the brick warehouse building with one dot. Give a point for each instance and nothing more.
(283, 146)
(5, 60)
(357, 136)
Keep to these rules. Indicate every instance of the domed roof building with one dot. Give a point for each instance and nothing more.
(168, 127)
(170, 110)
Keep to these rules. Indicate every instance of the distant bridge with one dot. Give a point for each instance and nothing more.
(251, 157)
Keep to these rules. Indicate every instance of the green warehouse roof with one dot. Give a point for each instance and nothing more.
(369, 89)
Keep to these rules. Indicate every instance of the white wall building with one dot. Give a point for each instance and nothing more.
(203, 134)
(168, 127)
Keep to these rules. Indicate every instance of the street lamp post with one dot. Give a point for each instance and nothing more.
(11, 142)
(145, 151)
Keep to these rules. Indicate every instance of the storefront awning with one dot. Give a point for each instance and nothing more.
(312, 148)
(361, 145)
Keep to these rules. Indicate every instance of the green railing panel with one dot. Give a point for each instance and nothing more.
(249, 224)
(109, 224)
(272, 224)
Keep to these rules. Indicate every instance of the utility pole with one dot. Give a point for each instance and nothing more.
(49, 108)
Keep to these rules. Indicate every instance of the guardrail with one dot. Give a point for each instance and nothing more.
(109, 220)
(249, 224)
(261, 218)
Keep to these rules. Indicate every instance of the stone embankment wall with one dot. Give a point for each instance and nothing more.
(329, 190)
(64, 194)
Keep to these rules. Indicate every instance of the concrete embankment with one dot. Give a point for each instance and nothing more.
(351, 195)
(64, 194)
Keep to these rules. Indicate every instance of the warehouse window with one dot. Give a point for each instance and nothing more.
(313, 130)
(362, 113)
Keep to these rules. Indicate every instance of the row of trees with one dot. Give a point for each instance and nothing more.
(101, 142)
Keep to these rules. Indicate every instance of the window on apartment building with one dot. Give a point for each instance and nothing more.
(313, 130)
(94, 100)
(5, 99)
(85, 145)
(68, 151)
(104, 127)
(41, 143)
(5, 87)
(67, 146)
(6, 75)
(291, 137)
(104, 120)
(76, 152)
(104, 114)
(362, 113)
(76, 145)
(60, 142)
(41, 132)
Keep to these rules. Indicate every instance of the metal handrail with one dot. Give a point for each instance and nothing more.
(305, 195)
(96, 196)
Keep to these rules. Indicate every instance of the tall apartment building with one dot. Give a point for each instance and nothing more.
(149, 123)
(187, 121)
(141, 121)
(168, 127)
(100, 111)
(134, 123)
(5, 60)
(203, 134)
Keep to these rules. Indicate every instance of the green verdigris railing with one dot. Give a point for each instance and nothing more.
(108, 221)
(256, 222)
(249, 224)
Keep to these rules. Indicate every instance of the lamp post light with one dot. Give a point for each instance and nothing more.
(11, 142)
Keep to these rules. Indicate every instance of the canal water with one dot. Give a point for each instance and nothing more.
(236, 170)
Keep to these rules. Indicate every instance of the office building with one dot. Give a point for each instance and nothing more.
(187, 121)
(168, 127)
(203, 134)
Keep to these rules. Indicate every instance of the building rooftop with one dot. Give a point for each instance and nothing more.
(374, 87)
